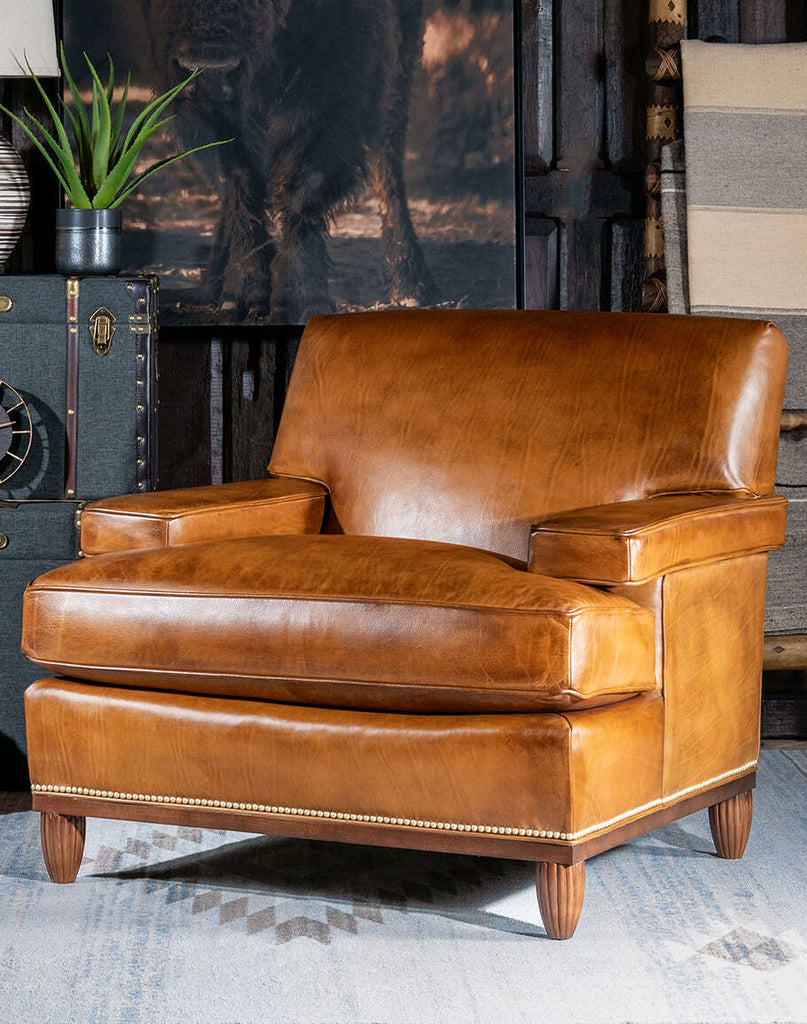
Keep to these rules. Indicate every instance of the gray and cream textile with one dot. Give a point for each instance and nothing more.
(734, 205)
(674, 218)
(745, 125)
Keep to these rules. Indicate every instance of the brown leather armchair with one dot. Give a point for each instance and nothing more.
(503, 594)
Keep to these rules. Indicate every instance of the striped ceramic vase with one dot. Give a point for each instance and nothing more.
(15, 195)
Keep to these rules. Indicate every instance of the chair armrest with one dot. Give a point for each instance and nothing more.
(633, 541)
(167, 518)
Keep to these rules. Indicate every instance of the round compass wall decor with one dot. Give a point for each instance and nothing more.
(16, 431)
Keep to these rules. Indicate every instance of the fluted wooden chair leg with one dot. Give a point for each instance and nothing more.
(62, 845)
(730, 822)
(560, 890)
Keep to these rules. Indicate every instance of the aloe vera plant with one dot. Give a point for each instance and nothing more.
(97, 171)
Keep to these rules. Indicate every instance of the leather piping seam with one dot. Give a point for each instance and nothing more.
(560, 616)
(295, 476)
(508, 830)
(555, 695)
(232, 506)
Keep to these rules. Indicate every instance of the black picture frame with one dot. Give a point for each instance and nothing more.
(176, 312)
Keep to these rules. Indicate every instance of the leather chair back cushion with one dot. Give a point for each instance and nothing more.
(466, 427)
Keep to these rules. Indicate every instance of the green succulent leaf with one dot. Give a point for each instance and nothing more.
(60, 178)
(153, 111)
(83, 136)
(94, 117)
(117, 122)
(64, 157)
(110, 88)
(102, 127)
(119, 174)
(97, 171)
(137, 181)
(64, 142)
(76, 129)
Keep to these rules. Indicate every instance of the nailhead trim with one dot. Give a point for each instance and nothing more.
(500, 830)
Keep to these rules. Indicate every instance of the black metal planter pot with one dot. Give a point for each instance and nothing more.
(88, 242)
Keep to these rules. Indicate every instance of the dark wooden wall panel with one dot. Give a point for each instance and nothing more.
(541, 264)
(583, 115)
(625, 89)
(537, 85)
(251, 391)
(748, 21)
(183, 422)
(221, 400)
(763, 22)
(715, 18)
(627, 264)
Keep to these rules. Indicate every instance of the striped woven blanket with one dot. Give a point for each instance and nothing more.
(734, 203)
(745, 125)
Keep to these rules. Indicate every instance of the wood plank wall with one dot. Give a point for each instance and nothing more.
(583, 89)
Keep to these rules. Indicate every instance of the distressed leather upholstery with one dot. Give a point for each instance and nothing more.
(348, 763)
(168, 518)
(468, 427)
(633, 541)
(504, 585)
(362, 622)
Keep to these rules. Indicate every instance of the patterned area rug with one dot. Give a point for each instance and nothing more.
(172, 924)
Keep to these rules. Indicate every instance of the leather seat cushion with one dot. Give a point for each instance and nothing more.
(357, 622)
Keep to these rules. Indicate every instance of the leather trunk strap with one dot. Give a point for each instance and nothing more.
(72, 285)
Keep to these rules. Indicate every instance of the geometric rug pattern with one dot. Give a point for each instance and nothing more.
(175, 924)
(163, 861)
(762, 952)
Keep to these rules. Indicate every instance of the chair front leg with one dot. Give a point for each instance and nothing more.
(730, 822)
(62, 845)
(560, 890)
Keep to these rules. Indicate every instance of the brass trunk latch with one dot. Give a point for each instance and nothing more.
(102, 329)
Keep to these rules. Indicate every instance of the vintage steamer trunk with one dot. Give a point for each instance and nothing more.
(78, 366)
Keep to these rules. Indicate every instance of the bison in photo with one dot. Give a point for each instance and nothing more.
(316, 95)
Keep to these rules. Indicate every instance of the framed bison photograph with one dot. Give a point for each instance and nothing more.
(372, 161)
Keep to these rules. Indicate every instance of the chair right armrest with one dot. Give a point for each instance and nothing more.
(634, 541)
(254, 508)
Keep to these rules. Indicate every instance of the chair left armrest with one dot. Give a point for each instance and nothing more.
(634, 541)
(254, 508)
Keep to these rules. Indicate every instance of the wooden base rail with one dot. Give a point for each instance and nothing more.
(560, 876)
